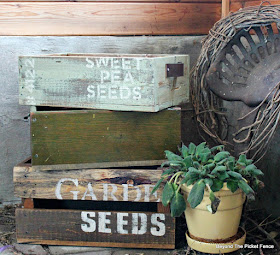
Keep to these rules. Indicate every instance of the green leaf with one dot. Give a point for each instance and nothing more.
(218, 148)
(232, 185)
(221, 155)
(242, 159)
(178, 205)
(157, 185)
(200, 148)
(223, 175)
(220, 168)
(235, 175)
(204, 157)
(250, 168)
(196, 195)
(196, 164)
(167, 193)
(168, 171)
(172, 156)
(208, 181)
(214, 202)
(185, 151)
(210, 166)
(247, 189)
(188, 161)
(257, 172)
(191, 181)
(192, 148)
(217, 185)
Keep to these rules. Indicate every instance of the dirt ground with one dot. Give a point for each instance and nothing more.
(261, 229)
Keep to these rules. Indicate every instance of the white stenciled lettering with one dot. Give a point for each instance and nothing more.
(103, 222)
(137, 93)
(29, 63)
(113, 92)
(159, 230)
(128, 77)
(89, 193)
(147, 196)
(126, 64)
(90, 64)
(125, 93)
(115, 76)
(139, 229)
(106, 191)
(121, 223)
(59, 184)
(102, 92)
(91, 224)
(91, 91)
(125, 191)
(105, 76)
(102, 61)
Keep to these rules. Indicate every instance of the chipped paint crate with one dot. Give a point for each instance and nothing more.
(101, 138)
(123, 82)
(90, 207)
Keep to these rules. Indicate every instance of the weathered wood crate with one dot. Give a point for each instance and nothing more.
(124, 82)
(121, 212)
(100, 138)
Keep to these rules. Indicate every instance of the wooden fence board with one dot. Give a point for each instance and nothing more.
(96, 228)
(151, 1)
(97, 136)
(235, 5)
(88, 184)
(96, 18)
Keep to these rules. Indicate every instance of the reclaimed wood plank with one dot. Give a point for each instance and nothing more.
(96, 228)
(95, 136)
(225, 8)
(235, 5)
(87, 184)
(28, 203)
(150, 1)
(125, 82)
(96, 18)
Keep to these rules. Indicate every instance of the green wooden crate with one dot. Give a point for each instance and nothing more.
(123, 82)
(100, 138)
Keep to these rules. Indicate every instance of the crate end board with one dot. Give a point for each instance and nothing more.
(99, 136)
(96, 228)
(123, 82)
(133, 185)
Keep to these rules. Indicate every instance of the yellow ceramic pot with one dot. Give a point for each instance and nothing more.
(203, 225)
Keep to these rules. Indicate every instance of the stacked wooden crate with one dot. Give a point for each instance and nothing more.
(92, 170)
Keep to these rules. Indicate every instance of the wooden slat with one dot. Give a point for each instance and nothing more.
(109, 229)
(235, 5)
(120, 82)
(97, 136)
(28, 203)
(40, 18)
(151, 1)
(225, 8)
(87, 184)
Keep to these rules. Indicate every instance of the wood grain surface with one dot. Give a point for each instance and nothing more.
(96, 228)
(235, 5)
(123, 82)
(87, 184)
(111, 18)
(96, 136)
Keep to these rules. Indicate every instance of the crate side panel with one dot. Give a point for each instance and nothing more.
(142, 229)
(88, 184)
(117, 83)
(74, 137)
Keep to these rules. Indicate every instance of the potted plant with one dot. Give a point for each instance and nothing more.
(210, 186)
